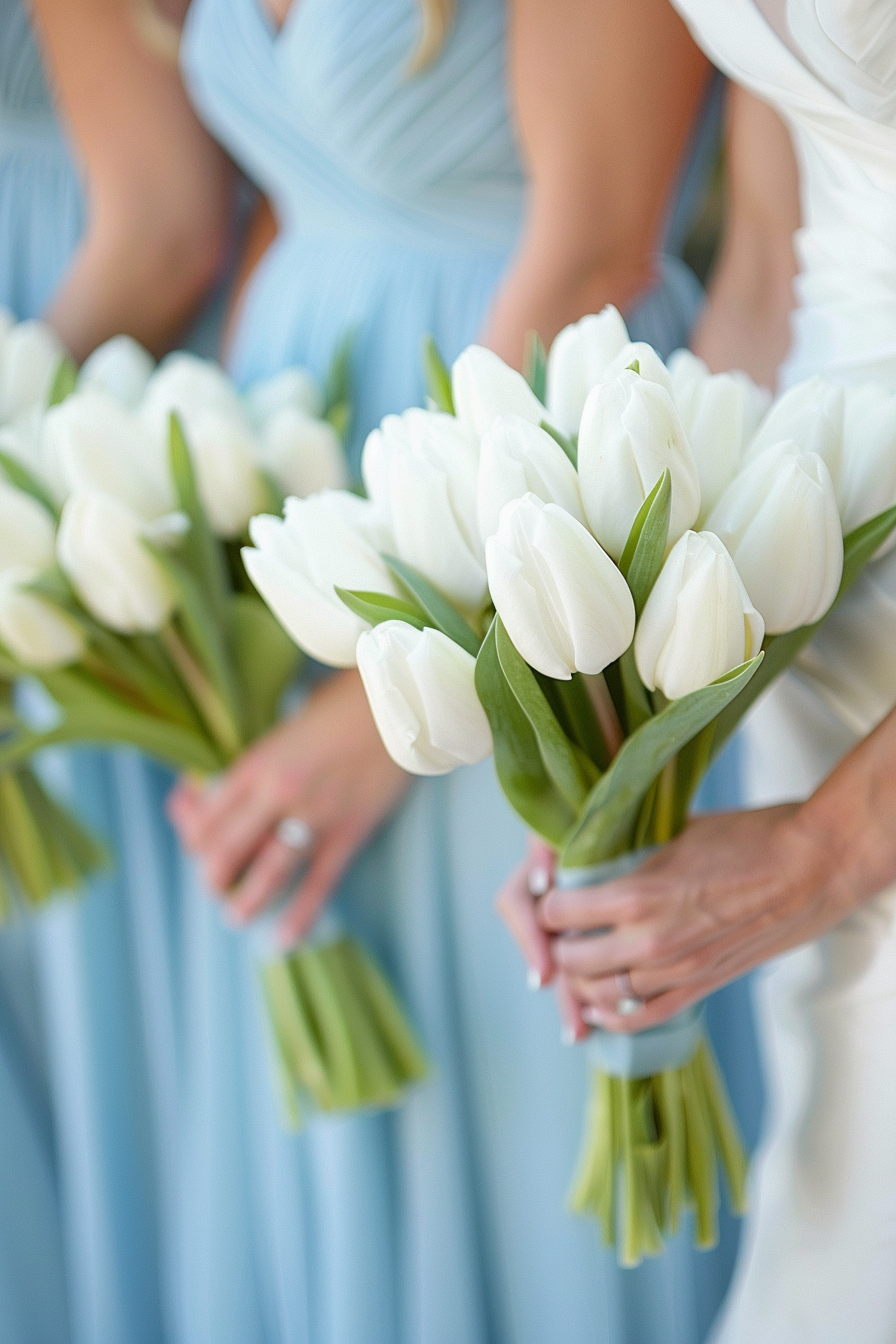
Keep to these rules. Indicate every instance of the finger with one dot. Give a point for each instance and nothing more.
(652, 1014)
(329, 861)
(601, 907)
(516, 906)
(574, 1026)
(182, 802)
(264, 880)
(600, 954)
(542, 860)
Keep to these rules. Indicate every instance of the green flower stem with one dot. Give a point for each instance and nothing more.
(724, 1126)
(217, 717)
(700, 1156)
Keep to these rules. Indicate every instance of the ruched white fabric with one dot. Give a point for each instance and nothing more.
(817, 1264)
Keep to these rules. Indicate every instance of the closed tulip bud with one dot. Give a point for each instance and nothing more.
(29, 357)
(518, 458)
(331, 539)
(565, 605)
(186, 384)
(27, 532)
(868, 471)
(422, 694)
(484, 387)
(578, 361)
(649, 364)
(811, 414)
(779, 521)
(630, 435)
(35, 632)
(101, 547)
(223, 451)
(719, 413)
(291, 389)
(302, 454)
(698, 622)
(95, 444)
(421, 469)
(121, 368)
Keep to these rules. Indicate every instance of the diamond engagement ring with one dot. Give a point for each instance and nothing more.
(628, 1002)
(295, 834)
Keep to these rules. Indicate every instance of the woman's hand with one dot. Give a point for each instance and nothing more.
(517, 904)
(324, 765)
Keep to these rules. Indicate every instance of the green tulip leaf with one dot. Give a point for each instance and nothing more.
(439, 610)
(518, 761)
(200, 549)
(92, 713)
(605, 825)
(19, 476)
(266, 661)
(374, 608)
(645, 550)
(535, 365)
(781, 650)
(571, 772)
(437, 376)
(338, 386)
(65, 380)
(569, 446)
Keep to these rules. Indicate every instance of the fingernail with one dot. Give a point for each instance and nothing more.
(595, 1017)
(539, 881)
(534, 979)
(568, 1036)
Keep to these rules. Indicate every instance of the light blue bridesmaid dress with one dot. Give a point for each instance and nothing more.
(40, 219)
(400, 199)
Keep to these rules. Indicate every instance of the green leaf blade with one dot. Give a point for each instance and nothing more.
(606, 823)
(645, 549)
(374, 608)
(520, 769)
(439, 610)
(437, 376)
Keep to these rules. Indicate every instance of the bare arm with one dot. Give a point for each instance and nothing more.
(606, 96)
(157, 185)
(746, 321)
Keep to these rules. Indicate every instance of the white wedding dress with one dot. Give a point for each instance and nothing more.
(818, 1262)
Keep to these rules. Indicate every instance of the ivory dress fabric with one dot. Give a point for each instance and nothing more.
(817, 1264)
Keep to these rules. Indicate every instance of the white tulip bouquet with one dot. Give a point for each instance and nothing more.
(43, 849)
(122, 593)
(592, 573)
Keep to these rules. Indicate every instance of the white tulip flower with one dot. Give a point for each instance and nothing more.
(578, 361)
(94, 443)
(630, 434)
(34, 631)
(811, 414)
(422, 694)
(518, 458)
(119, 367)
(720, 413)
(330, 539)
(868, 468)
(698, 622)
(101, 547)
(29, 357)
(564, 604)
(27, 532)
(421, 469)
(302, 454)
(484, 387)
(291, 389)
(187, 385)
(224, 451)
(780, 523)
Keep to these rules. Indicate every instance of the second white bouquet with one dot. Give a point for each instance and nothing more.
(595, 590)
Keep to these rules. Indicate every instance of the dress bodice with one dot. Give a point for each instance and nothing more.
(326, 117)
(835, 82)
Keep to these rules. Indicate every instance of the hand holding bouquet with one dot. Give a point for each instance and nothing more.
(122, 515)
(592, 574)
